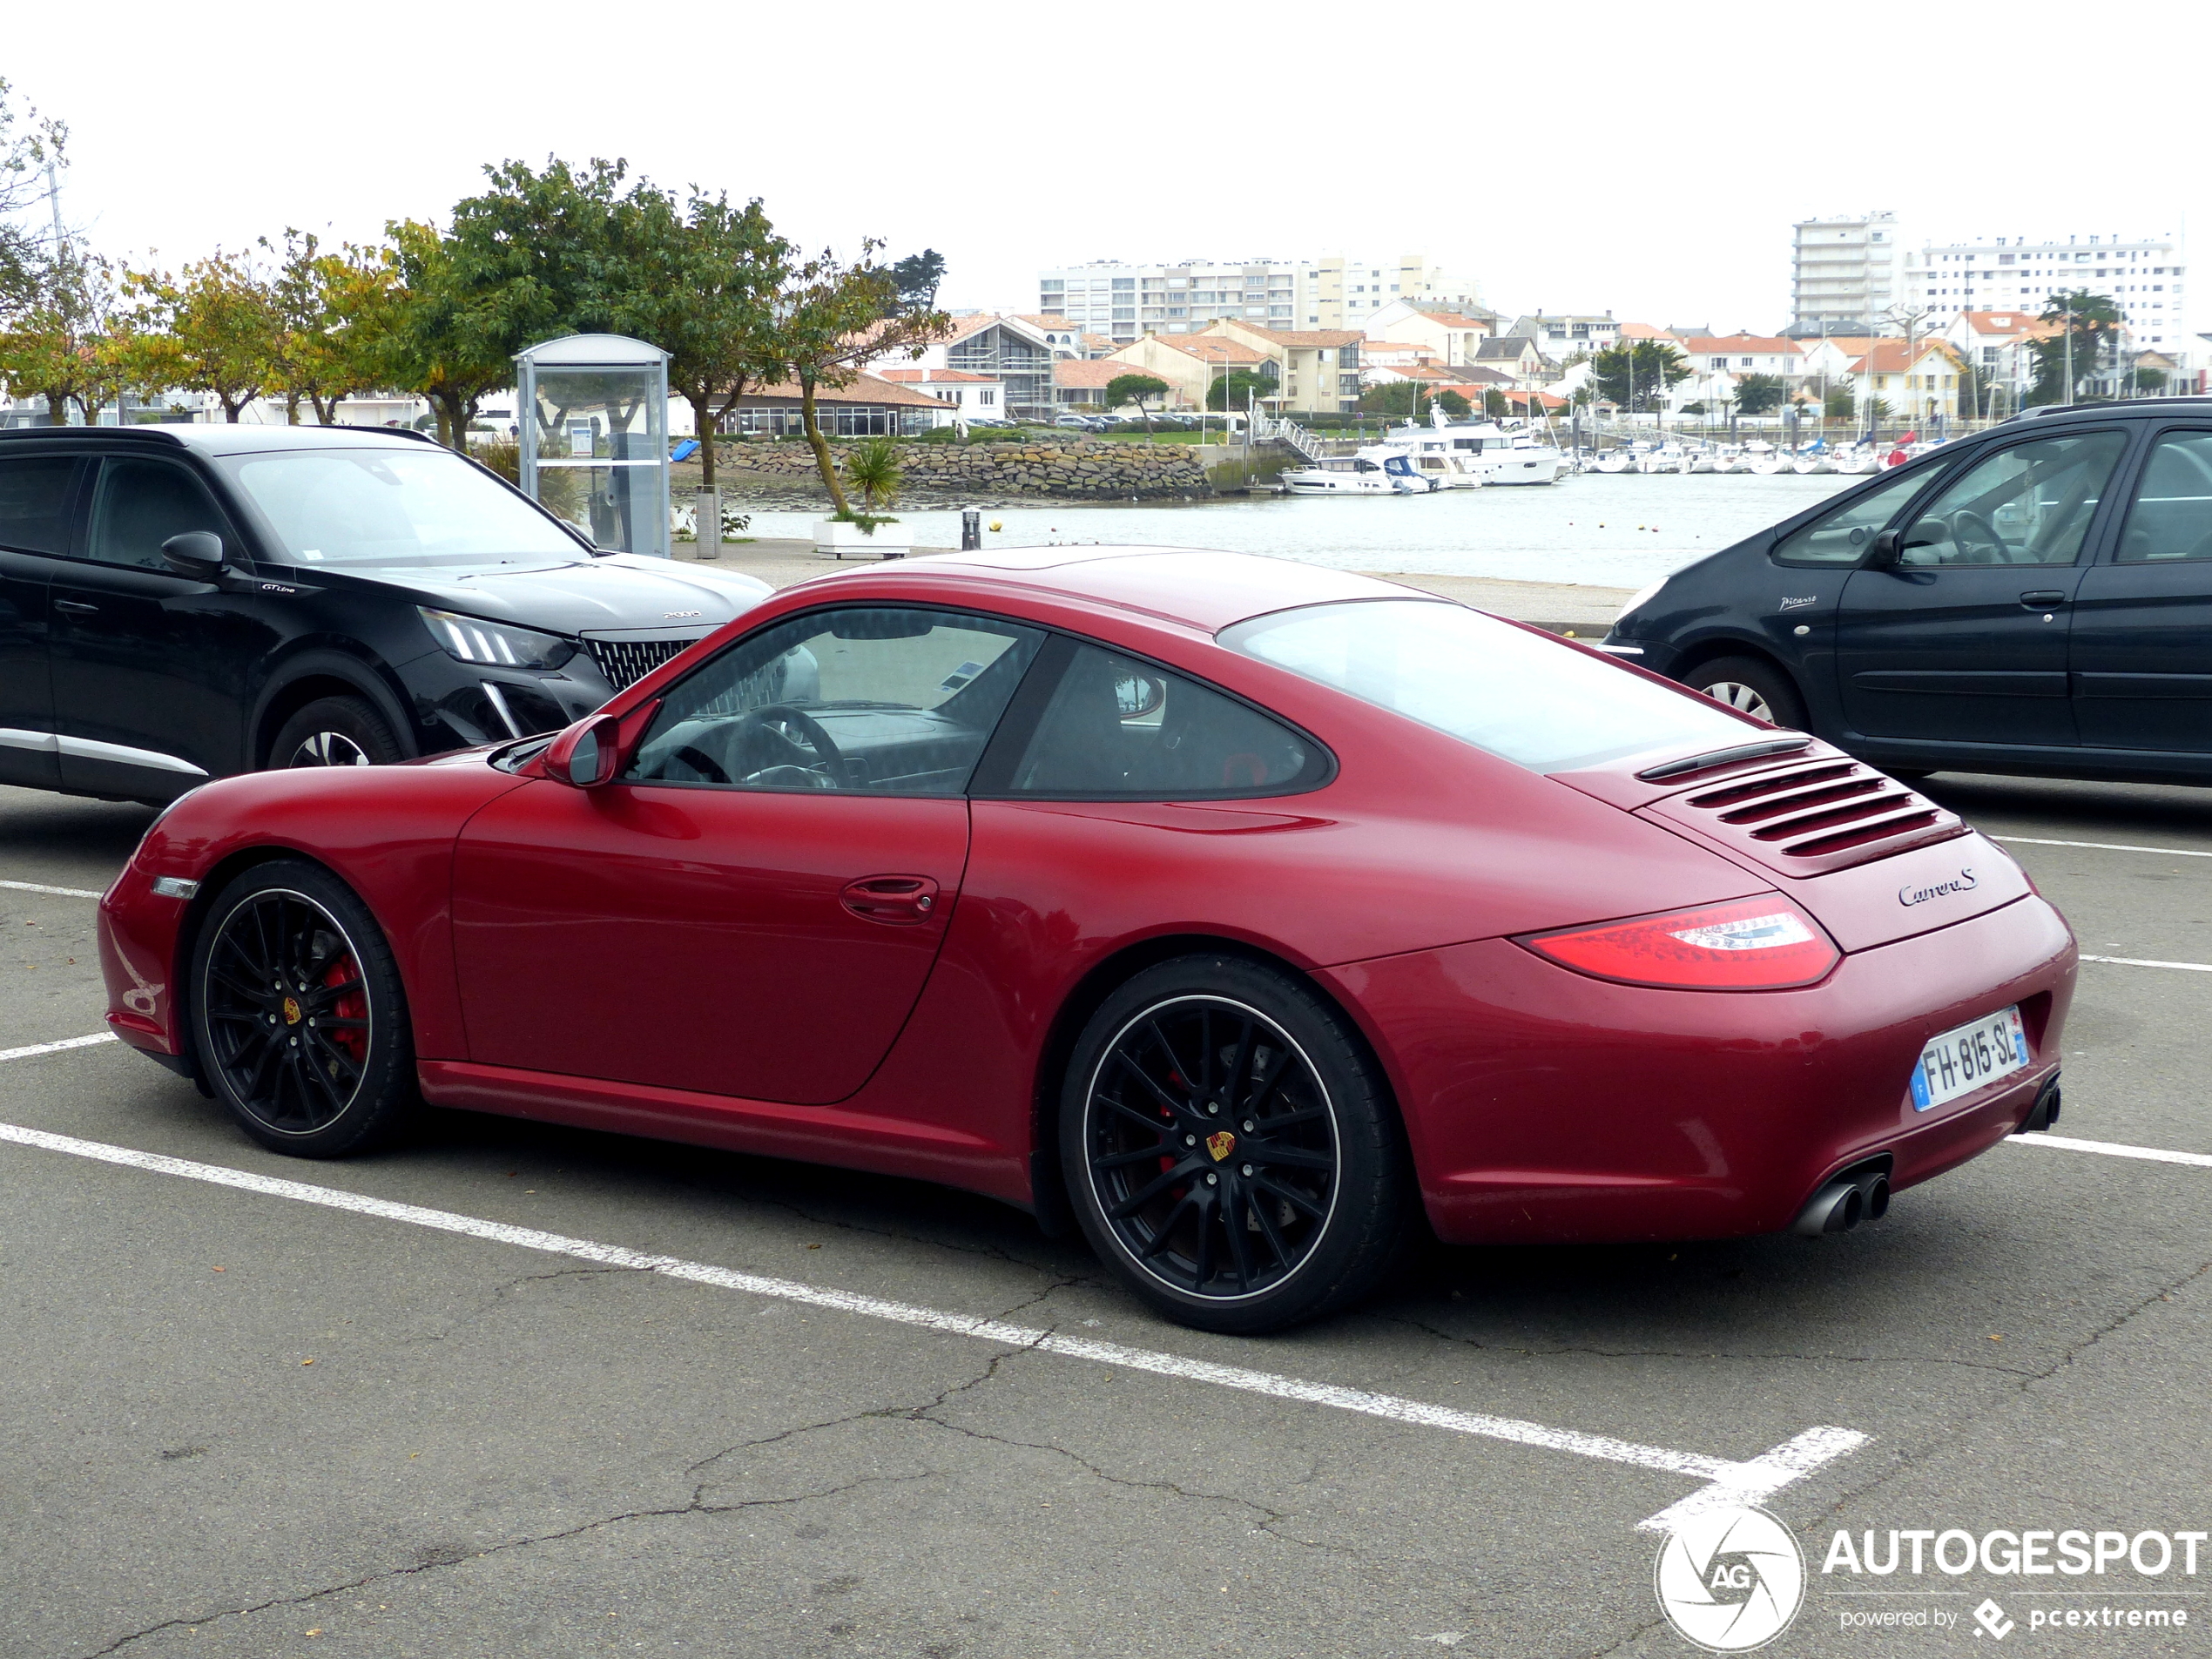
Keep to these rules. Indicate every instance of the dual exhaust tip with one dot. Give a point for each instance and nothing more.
(1862, 1193)
(1857, 1195)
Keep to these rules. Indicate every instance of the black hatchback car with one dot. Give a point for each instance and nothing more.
(180, 602)
(2036, 599)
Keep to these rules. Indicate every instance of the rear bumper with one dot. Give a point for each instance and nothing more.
(1542, 1106)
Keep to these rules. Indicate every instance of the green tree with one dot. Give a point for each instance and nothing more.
(430, 337)
(1636, 376)
(2085, 323)
(1140, 389)
(61, 341)
(30, 146)
(1841, 401)
(917, 277)
(699, 280)
(2147, 380)
(1456, 405)
(1238, 389)
(833, 317)
(1758, 393)
(324, 329)
(219, 329)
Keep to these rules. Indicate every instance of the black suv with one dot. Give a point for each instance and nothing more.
(178, 602)
(2036, 599)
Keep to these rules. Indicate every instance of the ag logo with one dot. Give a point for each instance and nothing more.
(1731, 1579)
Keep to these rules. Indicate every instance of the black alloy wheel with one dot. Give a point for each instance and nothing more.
(335, 731)
(300, 1023)
(1231, 1153)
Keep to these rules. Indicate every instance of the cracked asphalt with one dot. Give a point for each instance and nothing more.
(233, 1424)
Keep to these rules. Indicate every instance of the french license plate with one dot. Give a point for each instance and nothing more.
(1966, 1057)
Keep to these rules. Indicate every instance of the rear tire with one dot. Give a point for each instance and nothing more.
(335, 732)
(299, 1015)
(1232, 1153)
(1751, 687)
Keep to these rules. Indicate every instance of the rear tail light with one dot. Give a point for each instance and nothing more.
(1758, 944)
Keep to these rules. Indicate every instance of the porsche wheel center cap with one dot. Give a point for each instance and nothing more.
(292, 1017)
(1221, 1143)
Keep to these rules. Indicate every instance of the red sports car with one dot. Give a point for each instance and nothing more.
(1240, 911)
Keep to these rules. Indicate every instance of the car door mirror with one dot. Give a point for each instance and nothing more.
(588, 754)
(198, 553)
(1883, 556)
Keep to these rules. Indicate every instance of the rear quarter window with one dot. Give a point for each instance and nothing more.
(35, 492)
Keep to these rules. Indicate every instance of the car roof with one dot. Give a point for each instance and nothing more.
(1197, 587)
(2143, 407)
(226, 439)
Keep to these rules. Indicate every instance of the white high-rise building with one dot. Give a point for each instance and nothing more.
(2147, 280)
(1845, 274)
(1128, 301)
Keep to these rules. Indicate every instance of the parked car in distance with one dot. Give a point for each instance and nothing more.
(180, 602)
(2036, 599)
(1241, 908)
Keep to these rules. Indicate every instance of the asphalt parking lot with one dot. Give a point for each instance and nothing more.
(596, 1395)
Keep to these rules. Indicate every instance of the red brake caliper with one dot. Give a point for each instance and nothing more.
(350, 1041)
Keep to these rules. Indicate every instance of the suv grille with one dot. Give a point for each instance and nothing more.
(624, 662)
(1811, 817)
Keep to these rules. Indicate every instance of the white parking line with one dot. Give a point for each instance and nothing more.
(2102, 846)
(55, 1047)
(2112, 1150)
(1727, 1481)
(2144, 962)
(40, 886)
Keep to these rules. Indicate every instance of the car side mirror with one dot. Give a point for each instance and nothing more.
(1883, 556)
(588, 753)
(195, 553)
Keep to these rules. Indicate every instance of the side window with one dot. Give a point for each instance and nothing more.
(2029, 504)
(2171, 515)
(869, 699)
(34, 494)
(141, 504)
(1841, 536)
(1117, 728)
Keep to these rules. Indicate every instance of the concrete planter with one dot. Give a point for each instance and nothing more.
(834, 539)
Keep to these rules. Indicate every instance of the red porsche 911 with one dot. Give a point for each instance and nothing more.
(1241, 912)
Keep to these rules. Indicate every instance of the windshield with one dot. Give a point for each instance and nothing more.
(399, 506)
(1501, 688)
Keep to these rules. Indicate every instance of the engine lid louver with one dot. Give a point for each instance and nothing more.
(1808, 817)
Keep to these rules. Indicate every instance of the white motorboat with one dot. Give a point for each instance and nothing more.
(1770, 463)
(1615, 460)
(1375, 469)
(1480, 451)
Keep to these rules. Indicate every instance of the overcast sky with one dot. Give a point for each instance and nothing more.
(1647, 159)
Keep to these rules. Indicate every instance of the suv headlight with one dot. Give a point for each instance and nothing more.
(495, 645)
(1644, 596)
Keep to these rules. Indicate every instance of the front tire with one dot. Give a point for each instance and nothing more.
(299, 1014)
(1232, 1153)
(335, 731)
(1751, 687)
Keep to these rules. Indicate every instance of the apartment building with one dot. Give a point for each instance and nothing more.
(1126, 301)
(2145, 278)
(1845, 273)
(1562, 335)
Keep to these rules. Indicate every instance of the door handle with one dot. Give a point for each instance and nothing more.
(895, 899)
(2043, 599)
(77, 607)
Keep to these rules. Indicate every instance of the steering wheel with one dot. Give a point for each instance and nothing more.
(1964, 520)
(703, 763)
(796, 734)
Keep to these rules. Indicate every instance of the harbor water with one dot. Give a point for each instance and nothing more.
(1606, 531)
